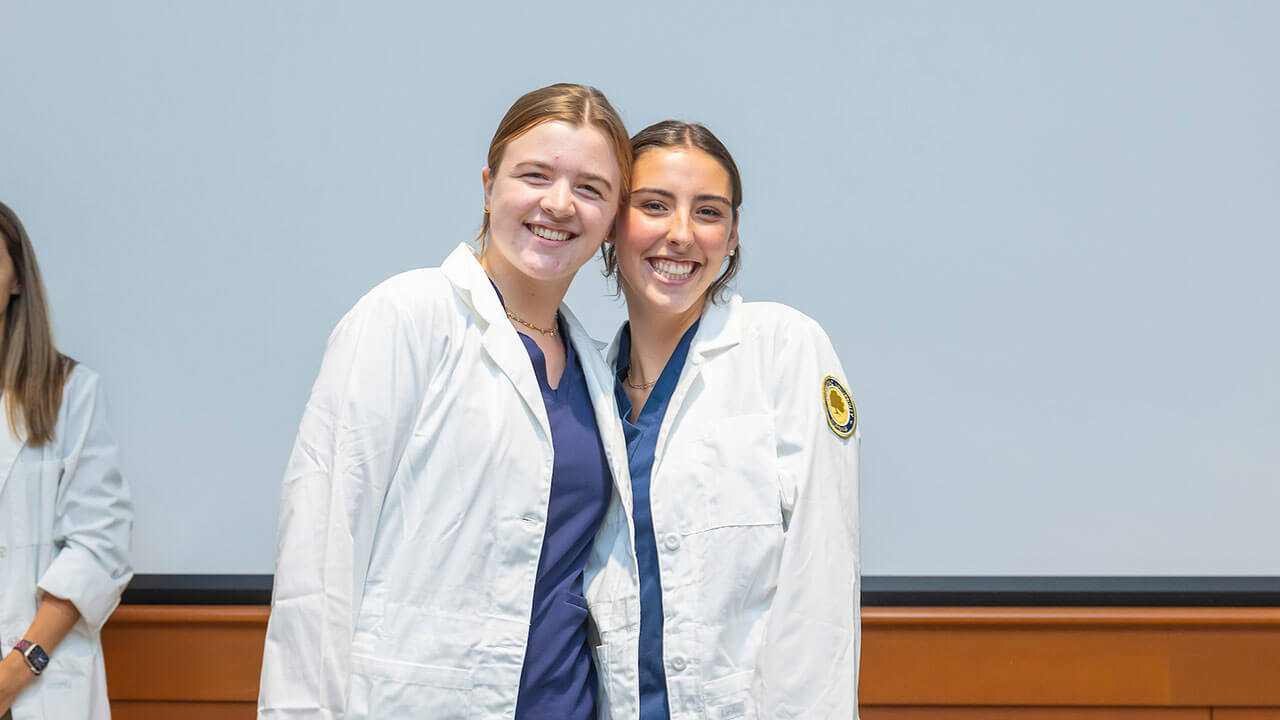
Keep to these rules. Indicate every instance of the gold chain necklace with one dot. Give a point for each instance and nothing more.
(633, 386)
(553, 332)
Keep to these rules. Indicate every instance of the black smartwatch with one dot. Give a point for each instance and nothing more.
(37, 659)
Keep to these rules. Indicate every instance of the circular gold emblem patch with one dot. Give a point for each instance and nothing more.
(842, 415)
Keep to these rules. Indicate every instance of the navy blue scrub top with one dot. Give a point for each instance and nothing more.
(642, 441)
(558, 679)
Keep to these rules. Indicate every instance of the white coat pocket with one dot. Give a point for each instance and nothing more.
(407, 666)
(401, 689)
(603, 656)
(64, 686)
(615, 672)
(738, 484)
(729, 697)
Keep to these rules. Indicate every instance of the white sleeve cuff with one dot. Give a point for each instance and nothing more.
(76, 575)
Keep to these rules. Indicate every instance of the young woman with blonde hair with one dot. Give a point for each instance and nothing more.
(448, 478)
(65, 513)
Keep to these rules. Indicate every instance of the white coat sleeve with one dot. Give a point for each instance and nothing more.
(93, 513)
(353, 432)
(808, 664)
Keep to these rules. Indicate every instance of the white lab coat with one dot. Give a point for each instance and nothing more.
(413, 511)
(65, 521)
(755, 512)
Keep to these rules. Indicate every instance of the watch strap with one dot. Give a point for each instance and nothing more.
(34, 655)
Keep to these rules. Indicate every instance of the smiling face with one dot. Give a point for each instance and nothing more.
(677, 231)
(552, 199)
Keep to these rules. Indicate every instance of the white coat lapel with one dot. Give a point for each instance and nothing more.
(10, 446)
(717, 331)
(500, 340)
(600, 385)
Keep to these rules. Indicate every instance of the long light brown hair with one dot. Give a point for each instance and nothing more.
(574, 105)
(32, 371)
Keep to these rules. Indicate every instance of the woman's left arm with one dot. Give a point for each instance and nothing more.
(93, 514)
(808, 664)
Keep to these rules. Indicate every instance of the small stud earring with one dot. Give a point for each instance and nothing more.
(733, 252)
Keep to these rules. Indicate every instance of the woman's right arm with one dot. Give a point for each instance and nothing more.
(353, 431)
(54, 619)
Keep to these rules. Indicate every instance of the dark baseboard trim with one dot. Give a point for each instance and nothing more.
(877, 591)
(198, 590)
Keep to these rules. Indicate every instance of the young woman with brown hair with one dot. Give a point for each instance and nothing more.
(743, 459)
(65, 513)
(448, 478)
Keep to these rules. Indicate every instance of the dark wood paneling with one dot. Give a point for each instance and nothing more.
(937, 663)
(184, 653)
(140, 710)
(1194, 657)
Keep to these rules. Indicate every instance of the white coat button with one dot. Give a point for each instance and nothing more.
(3, 552)
(678, 664)
(671, 541)
(12, 641)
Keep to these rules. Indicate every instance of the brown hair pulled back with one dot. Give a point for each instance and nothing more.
(575, 105)
(32, 371)
(677, 134)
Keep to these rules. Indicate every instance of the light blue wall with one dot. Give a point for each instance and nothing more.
(1043, 237)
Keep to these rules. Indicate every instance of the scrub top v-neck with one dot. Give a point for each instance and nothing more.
(642, 441)
(558, 679)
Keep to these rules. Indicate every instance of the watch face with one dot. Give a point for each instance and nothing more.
(38, 657)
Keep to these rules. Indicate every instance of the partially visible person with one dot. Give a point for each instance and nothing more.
(741, 435)
(65, 512)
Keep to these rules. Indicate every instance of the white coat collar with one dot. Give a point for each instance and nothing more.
(501, 341)
(462, 269)
(10, 446)
(719, 329)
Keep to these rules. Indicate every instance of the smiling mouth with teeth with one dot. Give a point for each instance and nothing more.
(549, 234)
(673, 269)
